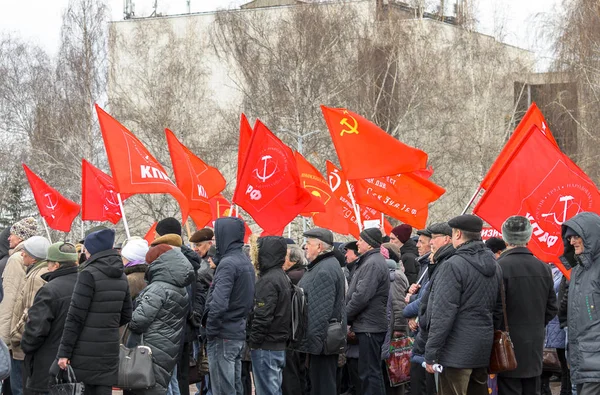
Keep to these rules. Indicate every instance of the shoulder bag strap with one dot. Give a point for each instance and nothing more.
(503, 296)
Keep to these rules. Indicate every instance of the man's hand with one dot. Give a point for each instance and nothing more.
(63, 362)
(413, 288)
(407, 298)
(412, 324)
(429, 368)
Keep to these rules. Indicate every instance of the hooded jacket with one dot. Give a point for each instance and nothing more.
(583, 314)
(367, 296)
(272, 315)
(460, 311)
(161, 312)
(100, 305)
(44, 329)
(296, 272)
(231, 294)
(324, 284)
(409, 255)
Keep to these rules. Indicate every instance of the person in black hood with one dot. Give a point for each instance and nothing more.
(230, 299)
(463, 300)
(100, 305)
(271, 319)
(4, 247)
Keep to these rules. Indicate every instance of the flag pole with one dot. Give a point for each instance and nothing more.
(472, 200)
(124, 218)
(356, 208)
(231, 210)
(47, 231)
(187, 228)
(82, 230)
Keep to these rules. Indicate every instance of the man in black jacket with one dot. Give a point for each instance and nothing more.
(530, 305)
(460, 311)
(400, 236)
(271, 319)
(100, 305)
(366, 309)
(324, 286)
(47, 316)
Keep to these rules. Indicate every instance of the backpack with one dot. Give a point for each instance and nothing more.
(299, 315)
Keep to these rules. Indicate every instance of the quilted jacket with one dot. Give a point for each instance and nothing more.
(555, 335)
(324, 285)
(461, 306)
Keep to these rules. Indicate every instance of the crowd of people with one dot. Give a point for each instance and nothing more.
(267, 316)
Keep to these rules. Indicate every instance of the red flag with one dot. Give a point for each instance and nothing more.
(58, 211)
(337, 182)
(544, 185)
(99, 200)
(133, 168)
(220, 207)
(533, 116)
(269, 187)
(405, 197)
(197, 180)
(424, 173)
(333, 217)
(245, 136)
(151, 234)
(200, 218)
(365, 150)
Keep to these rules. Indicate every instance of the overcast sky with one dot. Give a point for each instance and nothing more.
(519, 22)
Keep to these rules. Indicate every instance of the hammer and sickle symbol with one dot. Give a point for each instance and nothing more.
(352, 129)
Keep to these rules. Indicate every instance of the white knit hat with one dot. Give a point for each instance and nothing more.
(135, 250)
(37, 247)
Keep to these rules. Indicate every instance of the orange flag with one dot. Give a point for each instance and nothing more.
(151, 234)
(245, 136)
(197, 180)
(269, 187)
(58, 211)
(133, 168)
(99, 200)
(405, 197)
(337, 182)
(333, 217)
(365, 150)
(533, 116)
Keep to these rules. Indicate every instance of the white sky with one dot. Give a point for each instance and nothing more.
(519, 22)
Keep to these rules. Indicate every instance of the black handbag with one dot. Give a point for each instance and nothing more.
(68, 387)
(335, 339)
(136, 370)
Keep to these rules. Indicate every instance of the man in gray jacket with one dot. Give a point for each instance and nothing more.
(581, 236)
(366, 308)
(324, 285)
(460, 311)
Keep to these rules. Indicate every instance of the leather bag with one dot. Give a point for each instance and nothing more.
(503, 357)
(70, 386)
(136, 370)
(551, 363)
(335, 340)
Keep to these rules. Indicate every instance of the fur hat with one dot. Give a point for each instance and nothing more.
(135, 250)
(99, 241)
(168, 225)
(516, 230)
(37, 247)
(402, 232)
(372, 236)
(25, 228)
(393, 250)
(170, 239)
(62, 252)
(204, 234)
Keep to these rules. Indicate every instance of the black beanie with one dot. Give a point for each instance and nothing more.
(168, 226)
(372, 236)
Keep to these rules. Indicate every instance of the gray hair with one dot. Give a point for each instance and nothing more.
(296, 254)
(325, 246)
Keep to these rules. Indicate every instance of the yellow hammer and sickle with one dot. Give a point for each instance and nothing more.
(351, 129)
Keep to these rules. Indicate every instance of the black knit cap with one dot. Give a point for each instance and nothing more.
(168, 226)
(351, 245)
(372, 236)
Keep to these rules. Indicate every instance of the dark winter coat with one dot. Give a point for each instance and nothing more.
(296, 272)
(136, 279)
(161, 312)
(555, 335)
(461, 306)
(100, 305)
(366, 299)
(530, 305)
(194, 315)
(44, 328)
(409, 255)
(204, 278)
(231, 293)
(272, 314)
(4, 248)
(583, 300)
(324, 285)
(398, 287)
